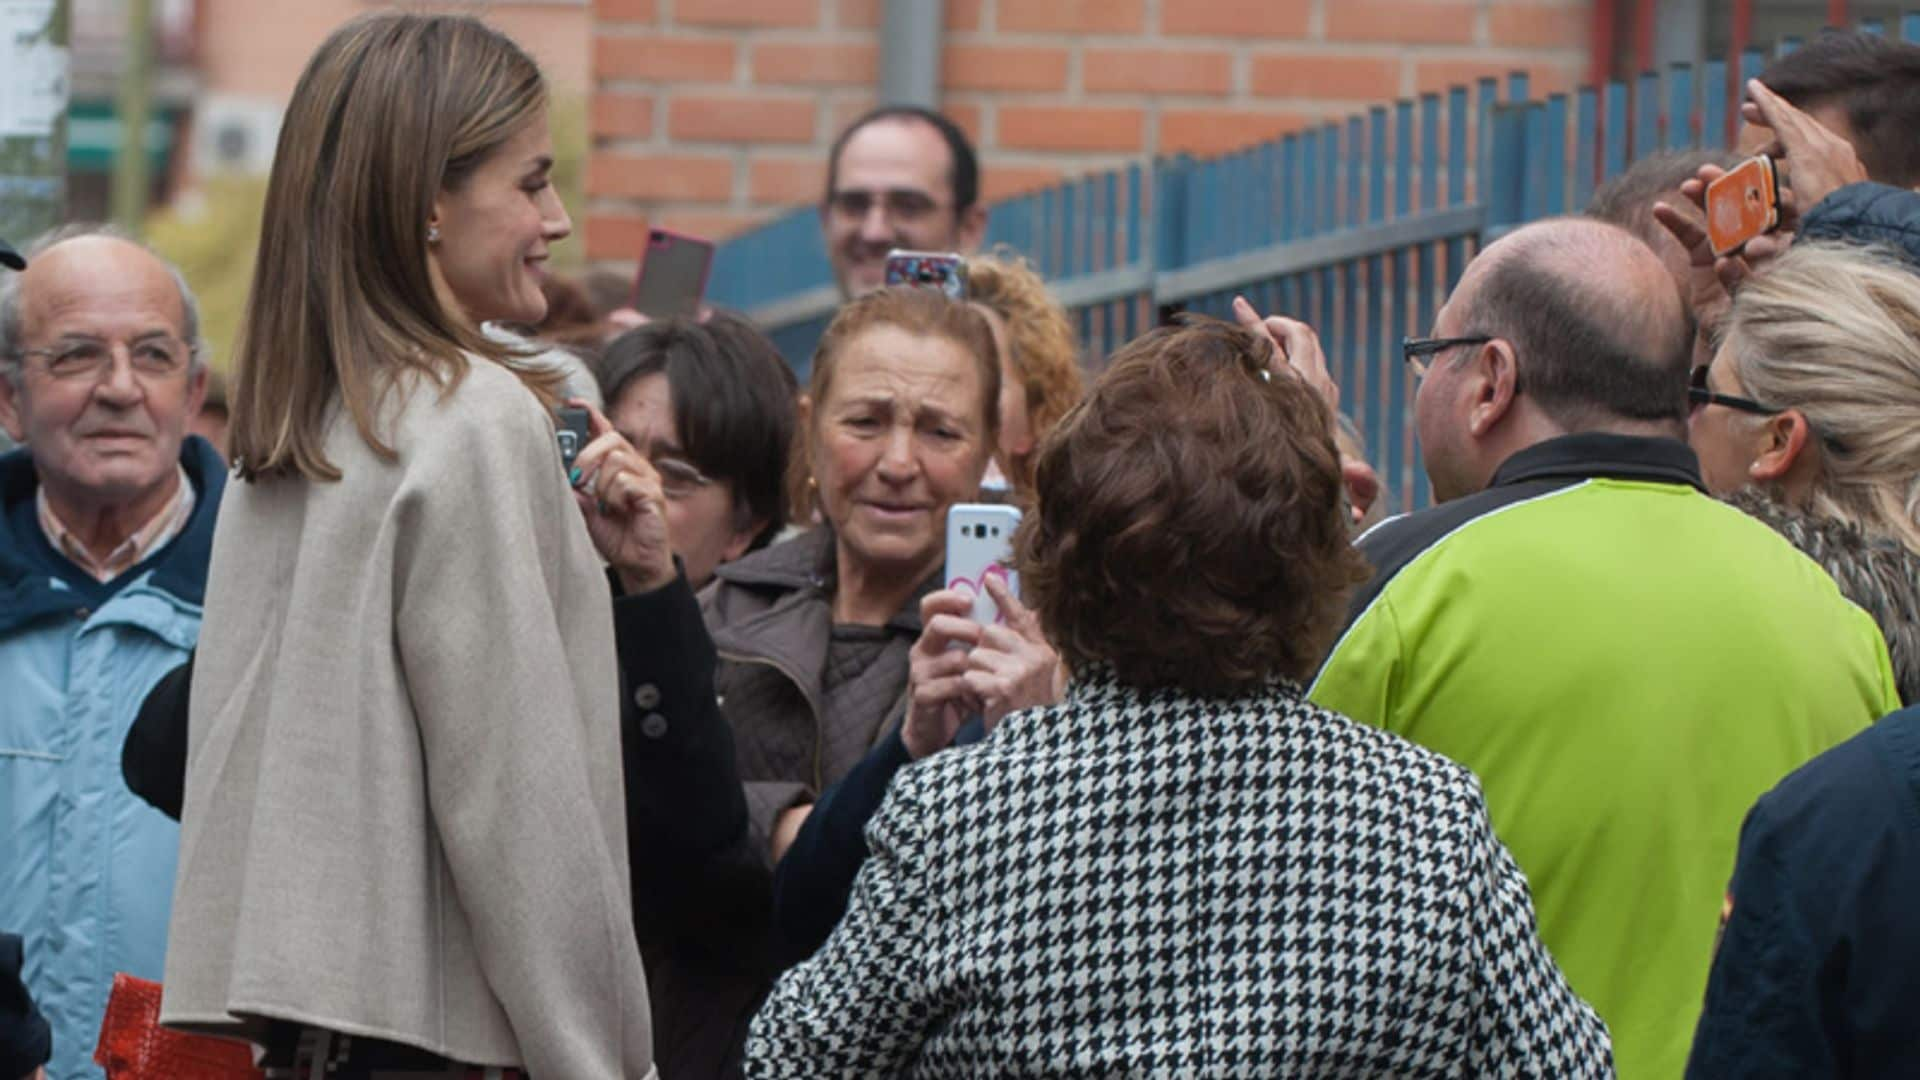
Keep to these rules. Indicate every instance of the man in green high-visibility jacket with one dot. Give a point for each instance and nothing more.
(1625, 663)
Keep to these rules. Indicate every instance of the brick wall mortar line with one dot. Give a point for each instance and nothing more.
(1104, 99)
(673, 88)
(616, 31)
(1173, 43)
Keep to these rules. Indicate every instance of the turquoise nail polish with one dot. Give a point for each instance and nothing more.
(573, 476)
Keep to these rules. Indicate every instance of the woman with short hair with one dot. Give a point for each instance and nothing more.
(711, 404)
(403, 844)
(1185, 868)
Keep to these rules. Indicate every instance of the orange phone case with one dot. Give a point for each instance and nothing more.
(1743, 204)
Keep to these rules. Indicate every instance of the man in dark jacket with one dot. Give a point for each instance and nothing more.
(25, 1040)
(1815, 974)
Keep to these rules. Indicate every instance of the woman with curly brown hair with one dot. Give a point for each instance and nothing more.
(1185, 867)
(1039, 361)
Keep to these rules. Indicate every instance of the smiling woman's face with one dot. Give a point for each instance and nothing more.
(899, 438)
(494, 231)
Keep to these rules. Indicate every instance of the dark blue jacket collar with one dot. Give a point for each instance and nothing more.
(179, 568)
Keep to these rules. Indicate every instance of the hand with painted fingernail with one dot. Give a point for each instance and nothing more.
(625, 508)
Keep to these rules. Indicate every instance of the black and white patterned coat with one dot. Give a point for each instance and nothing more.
(1136, 884)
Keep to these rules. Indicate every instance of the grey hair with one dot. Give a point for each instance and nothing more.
(1834, 331)
(11, 319)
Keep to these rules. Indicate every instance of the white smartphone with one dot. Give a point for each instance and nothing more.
(979, 546)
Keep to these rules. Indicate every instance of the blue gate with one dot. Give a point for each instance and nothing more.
(1359, 227)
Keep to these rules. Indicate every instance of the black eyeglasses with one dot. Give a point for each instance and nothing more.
(1415, 350)
(1699, 395)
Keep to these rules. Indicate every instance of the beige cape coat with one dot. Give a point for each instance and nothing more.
(403, 811)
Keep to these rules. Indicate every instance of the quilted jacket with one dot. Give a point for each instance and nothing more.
(1869, 214)
(771, 619)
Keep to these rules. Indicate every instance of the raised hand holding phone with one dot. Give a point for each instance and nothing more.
(1818, 160)
(625, 508)
(1012, 667)
(960, 668)
(1742, 205)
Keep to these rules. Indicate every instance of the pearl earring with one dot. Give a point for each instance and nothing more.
(433, 234)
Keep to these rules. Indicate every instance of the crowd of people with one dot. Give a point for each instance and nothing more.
(392, 745)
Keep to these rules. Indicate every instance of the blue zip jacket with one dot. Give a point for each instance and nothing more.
(86, 867)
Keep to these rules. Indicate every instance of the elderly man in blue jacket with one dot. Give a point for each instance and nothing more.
(106, 524)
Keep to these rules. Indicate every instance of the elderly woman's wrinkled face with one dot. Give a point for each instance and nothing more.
(899, 438)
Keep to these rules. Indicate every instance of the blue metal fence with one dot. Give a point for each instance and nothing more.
(1360, 227)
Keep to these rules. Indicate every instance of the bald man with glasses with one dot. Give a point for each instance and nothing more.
(106, 526)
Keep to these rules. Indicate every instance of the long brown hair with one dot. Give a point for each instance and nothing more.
(392, 110)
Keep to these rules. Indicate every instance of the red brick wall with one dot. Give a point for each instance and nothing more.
(710, 115)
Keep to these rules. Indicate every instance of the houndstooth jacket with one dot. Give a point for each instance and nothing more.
(1137, 883)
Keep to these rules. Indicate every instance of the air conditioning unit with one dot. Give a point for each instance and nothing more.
(234, 135)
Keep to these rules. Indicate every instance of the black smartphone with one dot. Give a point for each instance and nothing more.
(673, 275)
(572, 434)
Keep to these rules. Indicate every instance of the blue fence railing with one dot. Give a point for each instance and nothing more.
(1361, 227)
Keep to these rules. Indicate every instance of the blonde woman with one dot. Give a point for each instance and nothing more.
(403, 843)
(1039, 360)
(1809, 417)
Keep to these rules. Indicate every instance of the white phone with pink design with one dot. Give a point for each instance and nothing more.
(979, 546)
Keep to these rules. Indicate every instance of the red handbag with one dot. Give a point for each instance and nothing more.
(133, 1045)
